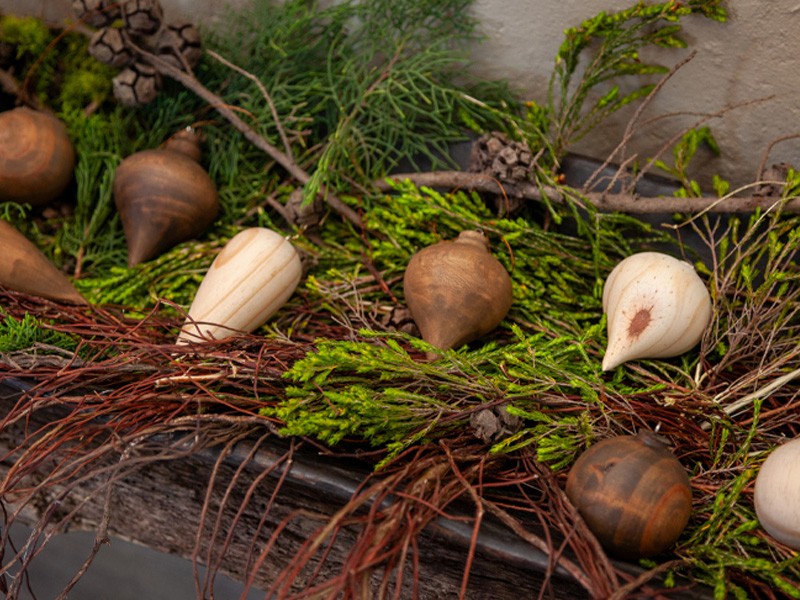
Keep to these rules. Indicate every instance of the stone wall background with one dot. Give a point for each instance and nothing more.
(753, 56)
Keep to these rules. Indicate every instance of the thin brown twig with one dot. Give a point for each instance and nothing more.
(629, 203)
(630, 127)
(262, 88)
(284, 160)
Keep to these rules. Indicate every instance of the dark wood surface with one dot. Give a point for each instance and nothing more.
(160, 506)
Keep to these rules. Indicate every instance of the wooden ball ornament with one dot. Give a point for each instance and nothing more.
(164, 197)
(456, 290)
(37, 158)
(633, 493)
(777, 494)
(250, 279)
(25, 269)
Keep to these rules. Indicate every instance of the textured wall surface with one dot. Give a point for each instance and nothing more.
(752, 57)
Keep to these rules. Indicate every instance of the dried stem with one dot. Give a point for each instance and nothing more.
(629, 203)
(287, 162)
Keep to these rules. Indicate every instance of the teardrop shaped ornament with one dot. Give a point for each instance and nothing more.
(457, 291)
(657, 307)
(37, 158)
(250, 279)
(164, 197)
(24, 268)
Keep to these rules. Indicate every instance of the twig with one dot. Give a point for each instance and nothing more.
(286, 146)
(630, 128)
(10, 85)
(763, 392)
(286, 161)
(629, 203)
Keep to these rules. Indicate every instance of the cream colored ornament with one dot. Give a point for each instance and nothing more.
(657, 307)
(251, 278)
(777, 494)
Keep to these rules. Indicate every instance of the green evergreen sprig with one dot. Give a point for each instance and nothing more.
(584, 90)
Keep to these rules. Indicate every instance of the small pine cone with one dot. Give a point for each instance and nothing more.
(502, 158)
(142, 17)
(771, 181)
(97, 13)
(136, 84)
(180, 39)
(108, 46)
(304, 215)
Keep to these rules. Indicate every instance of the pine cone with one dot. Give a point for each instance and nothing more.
(97, 13)
(777, 172)
(142, 17)
(108, 46)
(180, 39)
(504, 159)
(136, 84)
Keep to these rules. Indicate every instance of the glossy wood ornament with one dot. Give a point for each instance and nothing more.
(633, 493)
(456, 290)
(164, 197)
(23, 268)
(250, 279)
(777, 494)
(657, 307)
(37, 158)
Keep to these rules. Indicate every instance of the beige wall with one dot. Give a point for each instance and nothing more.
(755, 55)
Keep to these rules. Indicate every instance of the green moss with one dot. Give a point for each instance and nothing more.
(33, 334)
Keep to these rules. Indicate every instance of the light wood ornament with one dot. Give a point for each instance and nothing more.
(250, 279)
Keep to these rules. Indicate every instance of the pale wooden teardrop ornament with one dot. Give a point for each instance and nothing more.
(23, 268)
(657, 307)
(250, 279)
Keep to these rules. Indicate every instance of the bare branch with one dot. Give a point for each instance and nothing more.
(283, 159)
(628, 203)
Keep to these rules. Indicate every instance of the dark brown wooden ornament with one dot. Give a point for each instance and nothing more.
(633, 493)
(164, 197)
(37, 158)
(23, 268)
(456, 290)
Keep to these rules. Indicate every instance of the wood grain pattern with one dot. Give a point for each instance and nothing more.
(164, 198)
(23, 268)
(456, 290)
(250, 279)
(633, 494)
(37, 158)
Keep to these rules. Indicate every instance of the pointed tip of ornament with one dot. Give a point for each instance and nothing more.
(612, 359)
(610, 364)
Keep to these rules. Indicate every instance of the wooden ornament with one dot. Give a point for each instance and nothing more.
(24, 268)
(457, 291)
(777, 494)
(657, 307)
(251, 278)
(164, 197)
(37, 158)
(633, 493)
